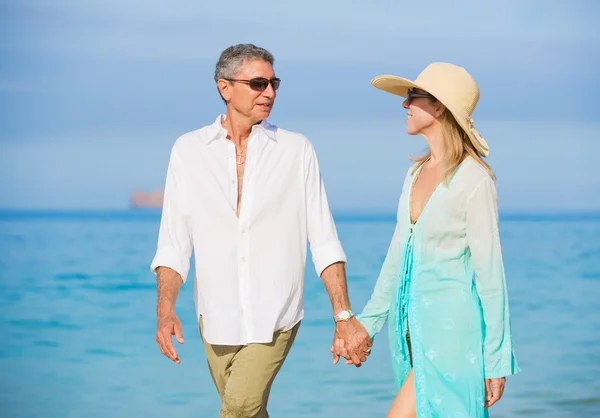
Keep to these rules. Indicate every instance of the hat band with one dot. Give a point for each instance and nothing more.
(479, 138)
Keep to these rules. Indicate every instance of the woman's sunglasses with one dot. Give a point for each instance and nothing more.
(259, 84)
(412, 95)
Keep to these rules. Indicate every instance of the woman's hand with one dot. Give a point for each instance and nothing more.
(494, 388)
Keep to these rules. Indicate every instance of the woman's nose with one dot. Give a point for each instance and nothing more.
(405, 104)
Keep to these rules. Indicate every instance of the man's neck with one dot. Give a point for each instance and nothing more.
(238, 127)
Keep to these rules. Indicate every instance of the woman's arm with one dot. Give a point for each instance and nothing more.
(374, 314)
(486, 257)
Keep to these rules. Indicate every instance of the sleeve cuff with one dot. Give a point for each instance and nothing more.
(326, 255)
(507, 368)
(368, 324)
(173, 259)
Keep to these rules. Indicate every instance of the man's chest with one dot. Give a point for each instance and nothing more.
(269, 176)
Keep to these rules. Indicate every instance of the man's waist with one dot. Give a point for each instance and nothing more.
(222, 329)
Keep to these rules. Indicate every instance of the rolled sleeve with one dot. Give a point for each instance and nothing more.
(173, 259)
(326, 255)
(325, 245)
(174, 247)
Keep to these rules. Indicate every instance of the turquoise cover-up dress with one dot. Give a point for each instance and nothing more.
(443, 281)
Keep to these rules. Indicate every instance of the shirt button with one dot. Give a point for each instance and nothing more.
(232, 181)
(243, 259)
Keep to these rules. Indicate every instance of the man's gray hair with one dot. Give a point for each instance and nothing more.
(233, 57)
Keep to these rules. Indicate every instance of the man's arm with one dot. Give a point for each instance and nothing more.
(334, 278)
(329, 260)
(168, 284)
(171, 262)
(355, 337)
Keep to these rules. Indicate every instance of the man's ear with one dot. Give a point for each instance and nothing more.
(224, 87)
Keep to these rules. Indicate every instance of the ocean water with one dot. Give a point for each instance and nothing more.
(77, 319)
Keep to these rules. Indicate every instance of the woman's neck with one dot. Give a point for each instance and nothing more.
(435, 140)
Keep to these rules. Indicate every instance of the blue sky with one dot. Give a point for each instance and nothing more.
(93, 94)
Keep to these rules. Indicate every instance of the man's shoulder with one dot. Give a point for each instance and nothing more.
(192, 138)
(291, 137)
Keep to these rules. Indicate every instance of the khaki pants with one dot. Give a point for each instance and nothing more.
(244, 374)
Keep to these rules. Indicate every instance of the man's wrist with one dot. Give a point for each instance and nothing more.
(165, 309)
(343, 315)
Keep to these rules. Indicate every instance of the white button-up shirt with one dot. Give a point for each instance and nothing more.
(249, 270)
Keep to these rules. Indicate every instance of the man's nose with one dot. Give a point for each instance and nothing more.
(269, 91)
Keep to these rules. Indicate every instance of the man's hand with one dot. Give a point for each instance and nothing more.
(354, 340)
(494, 388)
(351, 341)
(167, 326)
(168, 283)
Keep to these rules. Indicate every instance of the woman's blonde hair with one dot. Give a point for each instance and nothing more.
(457, 145)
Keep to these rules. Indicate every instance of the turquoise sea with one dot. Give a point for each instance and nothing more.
(77, 319)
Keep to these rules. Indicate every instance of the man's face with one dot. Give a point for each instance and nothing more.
(253, 104)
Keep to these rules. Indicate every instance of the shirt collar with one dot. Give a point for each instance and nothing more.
(216, 130)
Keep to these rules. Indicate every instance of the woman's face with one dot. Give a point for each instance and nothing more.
(422, 111)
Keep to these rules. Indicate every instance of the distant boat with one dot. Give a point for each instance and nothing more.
(143, 199)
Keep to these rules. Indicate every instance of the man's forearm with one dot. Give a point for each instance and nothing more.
(168, 284)
(334, 278)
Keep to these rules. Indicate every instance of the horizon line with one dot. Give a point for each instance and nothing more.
(342, 215)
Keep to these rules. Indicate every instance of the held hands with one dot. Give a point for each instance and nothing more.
(167, 326)
(351, 341)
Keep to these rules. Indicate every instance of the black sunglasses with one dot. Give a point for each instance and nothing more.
(259, 84)
(412, 95)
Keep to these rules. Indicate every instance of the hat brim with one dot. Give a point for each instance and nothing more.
(394, 84)
(400, 87)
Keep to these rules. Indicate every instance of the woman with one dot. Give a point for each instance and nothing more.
(442, 284)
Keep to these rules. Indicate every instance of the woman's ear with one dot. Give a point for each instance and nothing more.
(439, 109)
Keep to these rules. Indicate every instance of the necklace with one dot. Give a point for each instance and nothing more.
(241, 160)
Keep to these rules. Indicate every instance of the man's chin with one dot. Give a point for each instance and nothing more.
(262, 114)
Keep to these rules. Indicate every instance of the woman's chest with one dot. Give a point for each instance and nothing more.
(442, 215)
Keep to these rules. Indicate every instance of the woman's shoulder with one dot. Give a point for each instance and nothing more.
(410, 173)
(474, 172)
(412, 170)
(471, 176)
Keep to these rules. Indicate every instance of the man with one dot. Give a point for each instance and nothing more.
(247, 196)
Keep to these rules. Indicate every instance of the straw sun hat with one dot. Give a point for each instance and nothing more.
(453, 86)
